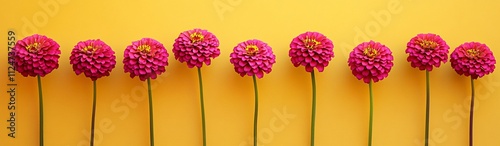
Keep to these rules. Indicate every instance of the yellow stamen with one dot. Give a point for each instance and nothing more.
(252, 49)
(144, 48)
(310, 43)
(429, 45)
(196, 37)
(473, 53)
(90, 48)
(370, 52)
(33, 47)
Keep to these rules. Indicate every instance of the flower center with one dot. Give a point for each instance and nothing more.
(252, 49)
(473, 53)
(428, 45)
(310, 43)
(196, 37)
(33, 47)
(89, 48)
(370, 52)
(144, 48)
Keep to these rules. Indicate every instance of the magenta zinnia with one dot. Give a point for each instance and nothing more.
(371, 61)
(426, 51)
(473, 59)
(252, 57)
(196, 47)
(36, 55)
(312, 50)
(145, 58)
(94, 58)
(476, 60)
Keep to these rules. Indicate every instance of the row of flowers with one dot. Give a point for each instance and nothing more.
(38, 55)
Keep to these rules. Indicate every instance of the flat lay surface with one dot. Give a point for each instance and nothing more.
(342, 112)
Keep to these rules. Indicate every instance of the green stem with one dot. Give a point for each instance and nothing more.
(471, 124)
(40, 102)
(151, 129)
(92, 127)
(370, 128)
(256, 113)
(202, 108)
(427, 106)
(313, 117)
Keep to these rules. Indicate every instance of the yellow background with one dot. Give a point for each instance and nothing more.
(342, 109)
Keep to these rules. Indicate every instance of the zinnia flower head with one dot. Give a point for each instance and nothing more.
(252, 57)
(426, 51)
(196, 47)
(473, 59)
(145, 58)
(312, 50)
(370, 61)
(36, 55)
(94, 58)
